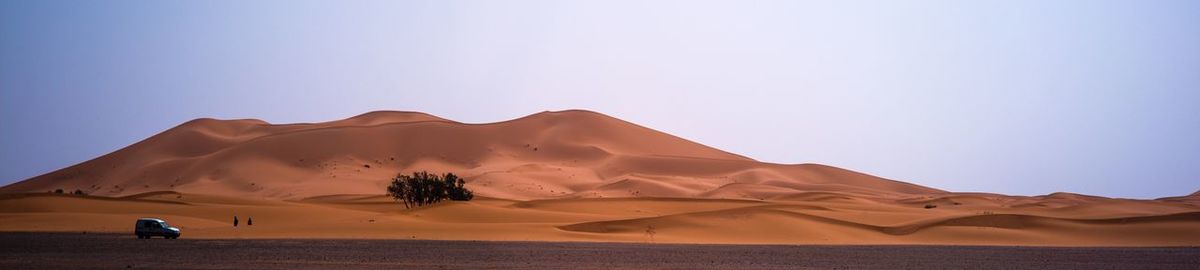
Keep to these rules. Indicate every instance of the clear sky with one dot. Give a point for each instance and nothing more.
(1015, 97)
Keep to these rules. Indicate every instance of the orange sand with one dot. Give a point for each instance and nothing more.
(554, 176)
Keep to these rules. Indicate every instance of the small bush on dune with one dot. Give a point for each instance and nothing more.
(423, 188)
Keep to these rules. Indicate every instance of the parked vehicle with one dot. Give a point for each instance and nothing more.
(150, 227)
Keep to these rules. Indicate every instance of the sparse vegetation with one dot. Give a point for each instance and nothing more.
(59, 191)
(423, 188)
(930, 206)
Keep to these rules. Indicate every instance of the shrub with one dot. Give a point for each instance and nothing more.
(77, 192)
(423, 188)
(59, 191)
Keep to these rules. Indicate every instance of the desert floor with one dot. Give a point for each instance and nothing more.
(821, 218)
(112, 251)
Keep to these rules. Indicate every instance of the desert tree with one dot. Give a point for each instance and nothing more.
(456, 190)
(423, 188)
(399, 190)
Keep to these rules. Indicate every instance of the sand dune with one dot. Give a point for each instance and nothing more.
(551, 176)
(545, 155)
(1193, 199)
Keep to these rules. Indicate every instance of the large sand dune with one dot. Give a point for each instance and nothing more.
(556, 176)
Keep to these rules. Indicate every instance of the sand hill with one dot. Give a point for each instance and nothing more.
(569, 175)
(541, 156)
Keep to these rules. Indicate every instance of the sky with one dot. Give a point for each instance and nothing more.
(1014, 97)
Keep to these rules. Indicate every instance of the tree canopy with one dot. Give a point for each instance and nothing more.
(423, 188)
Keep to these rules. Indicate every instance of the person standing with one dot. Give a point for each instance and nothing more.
(249, 221)
(235, 221)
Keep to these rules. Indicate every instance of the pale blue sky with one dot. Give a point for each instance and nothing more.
(1016, 97)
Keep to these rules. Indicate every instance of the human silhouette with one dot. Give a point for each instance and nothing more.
(249, 221)
(235, 220)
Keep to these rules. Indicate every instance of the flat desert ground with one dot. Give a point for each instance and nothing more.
(109, 251)
(573, 176)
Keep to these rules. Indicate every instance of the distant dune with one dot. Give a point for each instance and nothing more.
(553, 176)
(541, 156)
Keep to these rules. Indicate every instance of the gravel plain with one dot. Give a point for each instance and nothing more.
(112, 251)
